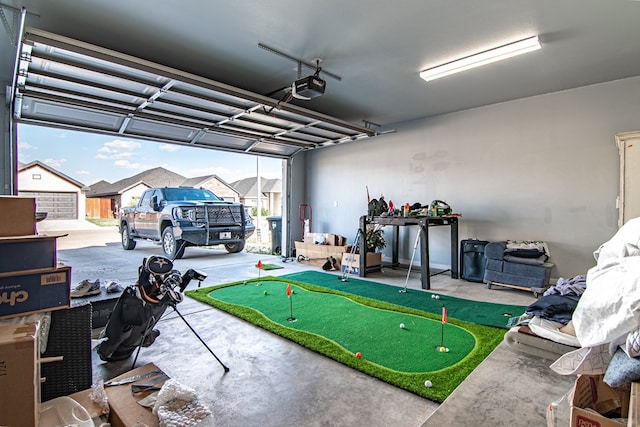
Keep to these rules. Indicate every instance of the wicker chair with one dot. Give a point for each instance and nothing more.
(69, 337)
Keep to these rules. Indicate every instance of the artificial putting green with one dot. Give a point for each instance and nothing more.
(373, 332)
(339, 325)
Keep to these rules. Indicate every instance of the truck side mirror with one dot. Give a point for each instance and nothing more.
(154, 203)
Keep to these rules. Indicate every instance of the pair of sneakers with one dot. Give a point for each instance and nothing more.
(86, 288)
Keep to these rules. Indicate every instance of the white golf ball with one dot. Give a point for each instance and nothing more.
(428, 384)
(401, 325)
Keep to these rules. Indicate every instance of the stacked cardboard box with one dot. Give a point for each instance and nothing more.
(124, 409)
(351, 262)
(17, 216)
(19, 375)
(30, 280)
(592, 399)
(325, 239)
(318, 247)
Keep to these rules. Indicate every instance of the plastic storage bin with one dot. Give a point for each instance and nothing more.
(64, 411)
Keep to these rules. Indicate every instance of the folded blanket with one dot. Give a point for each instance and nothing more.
(526, 248)
(540, 260)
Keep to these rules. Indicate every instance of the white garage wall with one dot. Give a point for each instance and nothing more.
(543, 168)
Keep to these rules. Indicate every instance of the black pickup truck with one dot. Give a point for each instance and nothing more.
(185, 216)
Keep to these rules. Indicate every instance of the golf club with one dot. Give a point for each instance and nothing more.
(345, 273)
(415, 246)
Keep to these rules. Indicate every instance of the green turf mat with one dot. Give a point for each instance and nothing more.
(339, 325)
(482, 313)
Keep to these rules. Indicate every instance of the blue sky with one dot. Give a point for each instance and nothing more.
(89, 158)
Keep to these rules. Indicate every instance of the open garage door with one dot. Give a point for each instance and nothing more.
(56, 205)
(67, 83)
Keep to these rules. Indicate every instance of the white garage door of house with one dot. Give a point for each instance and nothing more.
(57, 205)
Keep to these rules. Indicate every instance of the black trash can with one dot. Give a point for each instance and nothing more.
(275, 226)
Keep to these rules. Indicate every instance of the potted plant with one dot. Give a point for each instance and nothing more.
(375, 238)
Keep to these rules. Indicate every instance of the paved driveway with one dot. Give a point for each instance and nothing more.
(95, 252)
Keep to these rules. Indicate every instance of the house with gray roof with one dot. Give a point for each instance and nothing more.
(270, 193)
(104, 199)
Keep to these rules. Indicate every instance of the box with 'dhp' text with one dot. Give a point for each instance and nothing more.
(27, 292)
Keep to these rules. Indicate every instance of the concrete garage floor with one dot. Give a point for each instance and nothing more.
(274, 382)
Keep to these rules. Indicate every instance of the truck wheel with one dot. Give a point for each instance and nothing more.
(173, 249)
(233, 248)
(127, 242)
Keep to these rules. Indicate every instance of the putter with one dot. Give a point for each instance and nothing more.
(415, 246)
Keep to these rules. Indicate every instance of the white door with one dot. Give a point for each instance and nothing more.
(629, 200)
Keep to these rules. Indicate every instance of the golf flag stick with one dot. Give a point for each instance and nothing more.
(291, 318)
(444, 320)
(259, 265)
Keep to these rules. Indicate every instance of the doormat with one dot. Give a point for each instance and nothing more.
(425, 353)
(271, 267)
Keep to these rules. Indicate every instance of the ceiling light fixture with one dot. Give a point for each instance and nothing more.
(482, 58)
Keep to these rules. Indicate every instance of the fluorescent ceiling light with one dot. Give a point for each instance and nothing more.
(482, 58)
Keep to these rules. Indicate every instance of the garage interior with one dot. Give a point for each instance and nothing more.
(524, 149)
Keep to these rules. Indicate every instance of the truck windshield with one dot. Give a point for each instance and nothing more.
(178, 194)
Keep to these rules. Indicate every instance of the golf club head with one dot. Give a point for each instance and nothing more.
(190, 275)
(403, 291)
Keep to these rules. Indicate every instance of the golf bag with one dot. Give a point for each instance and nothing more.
(140, 307)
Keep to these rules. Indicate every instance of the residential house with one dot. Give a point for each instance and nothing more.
(216, 184)
(57, 194)
(104, 200)
(270, 193)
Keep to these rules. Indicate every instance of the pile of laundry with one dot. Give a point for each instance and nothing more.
(590, 324)
(607, 317)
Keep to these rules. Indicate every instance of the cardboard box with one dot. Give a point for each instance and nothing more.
(592, 398)
(34, 291)
(317, 254)
(325, 239)
(20, 253)
(19, 375)
(17, 216)
(351, 262)
(125, 410)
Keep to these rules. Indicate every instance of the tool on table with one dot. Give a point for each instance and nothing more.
(149, 385)
(133, 378)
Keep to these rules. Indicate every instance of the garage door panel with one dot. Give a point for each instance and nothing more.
(57, 205)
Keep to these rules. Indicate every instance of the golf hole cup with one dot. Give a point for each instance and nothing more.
(428, 384)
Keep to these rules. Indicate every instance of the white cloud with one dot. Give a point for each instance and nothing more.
(26, 146)
(169, 148)
(126, 164)
(54, 163)
(117, 149)
(82, 172)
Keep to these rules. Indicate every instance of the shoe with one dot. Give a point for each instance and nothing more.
(114, 287)
(86, 288)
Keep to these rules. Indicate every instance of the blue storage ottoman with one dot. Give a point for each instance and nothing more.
(520, 274)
